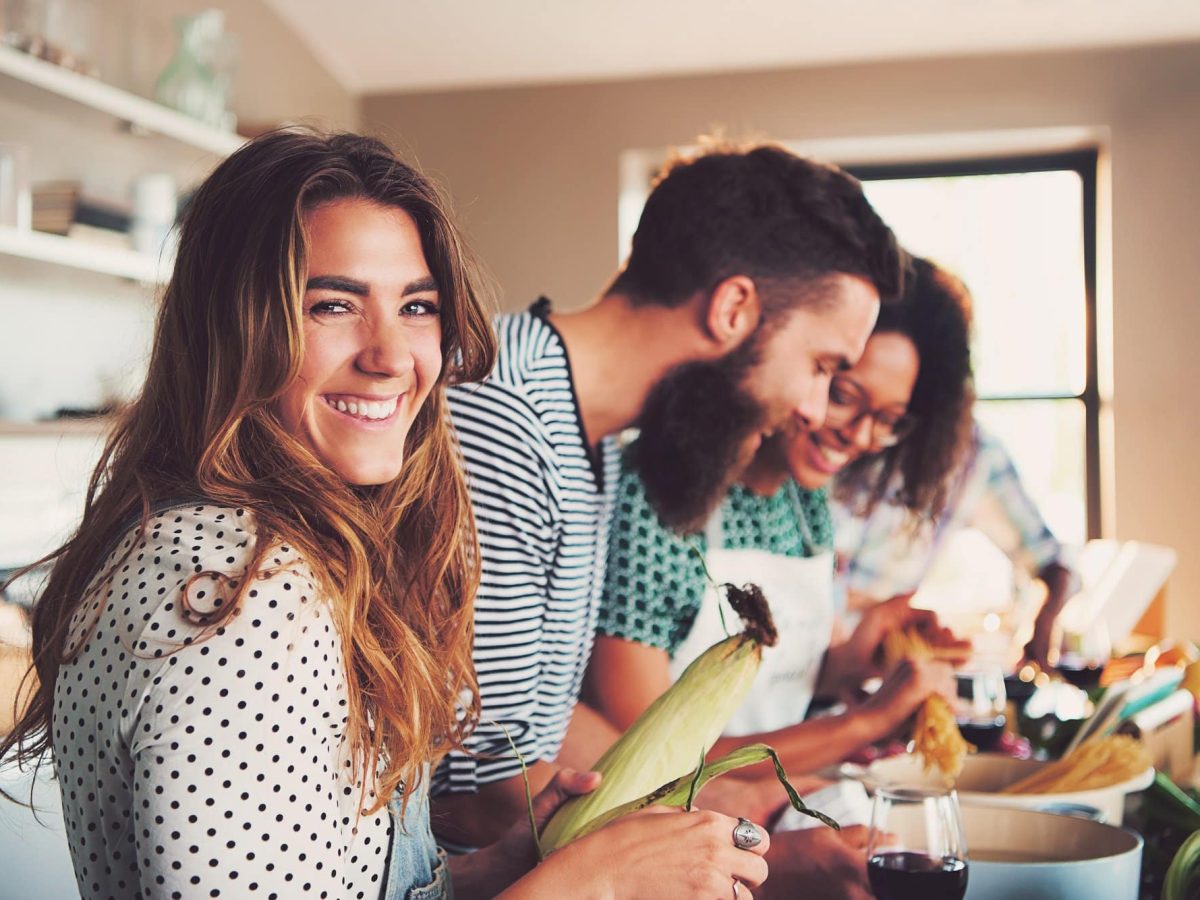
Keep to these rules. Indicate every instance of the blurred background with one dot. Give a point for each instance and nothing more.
(1047, 152)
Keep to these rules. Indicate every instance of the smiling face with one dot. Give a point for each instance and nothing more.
(372, 340)
(791, 381)
(702, 423)
(881, 381)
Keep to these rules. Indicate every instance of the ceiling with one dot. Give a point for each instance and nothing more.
(384, 46)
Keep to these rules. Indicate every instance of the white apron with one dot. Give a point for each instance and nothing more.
(800, 592)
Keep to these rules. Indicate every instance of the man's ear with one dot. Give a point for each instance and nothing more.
(734, 311)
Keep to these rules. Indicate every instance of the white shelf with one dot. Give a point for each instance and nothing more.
(78, 254)
(99, 425)
(138, 112)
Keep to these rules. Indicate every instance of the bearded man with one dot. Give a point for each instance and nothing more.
(753, 277)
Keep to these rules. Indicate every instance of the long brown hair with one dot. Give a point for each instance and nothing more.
(399, 561)
(935, 314)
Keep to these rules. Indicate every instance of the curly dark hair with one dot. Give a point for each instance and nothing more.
(935, 314)
(787, 222)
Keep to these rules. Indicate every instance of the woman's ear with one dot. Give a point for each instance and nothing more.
(734, 311)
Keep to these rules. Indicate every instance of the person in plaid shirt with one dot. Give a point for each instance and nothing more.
(888, 550)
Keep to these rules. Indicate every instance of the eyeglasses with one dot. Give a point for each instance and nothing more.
(848, 405)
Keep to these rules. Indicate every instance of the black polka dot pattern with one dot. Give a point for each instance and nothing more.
(202, 761)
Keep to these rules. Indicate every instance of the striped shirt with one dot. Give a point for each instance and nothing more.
(542, 505)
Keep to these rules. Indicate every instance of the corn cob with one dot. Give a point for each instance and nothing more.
(681, 726)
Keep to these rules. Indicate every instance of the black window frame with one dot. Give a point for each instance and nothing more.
(1085, 163)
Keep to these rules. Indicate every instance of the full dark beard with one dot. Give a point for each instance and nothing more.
(696, 431)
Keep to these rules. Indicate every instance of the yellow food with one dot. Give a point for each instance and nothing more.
(938, 739)
(1097, 763)
(935, 735)
(680, 727)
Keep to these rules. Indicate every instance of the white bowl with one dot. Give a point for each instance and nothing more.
(984, 775)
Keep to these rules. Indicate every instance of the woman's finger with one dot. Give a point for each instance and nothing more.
(565, 784)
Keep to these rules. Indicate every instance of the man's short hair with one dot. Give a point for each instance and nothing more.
(764, 212)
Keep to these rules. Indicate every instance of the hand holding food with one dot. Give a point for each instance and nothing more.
(906, 687)
(935, 734)
(867, 646)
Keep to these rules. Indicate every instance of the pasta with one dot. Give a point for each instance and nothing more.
(1097, 763)
(935, 735)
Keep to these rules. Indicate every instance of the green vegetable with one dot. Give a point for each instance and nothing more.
(663, 744)
(681, 791)
(1183, 878)
(1171, 805)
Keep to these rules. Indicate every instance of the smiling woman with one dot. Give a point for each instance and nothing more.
(259, 640)
(372, 339)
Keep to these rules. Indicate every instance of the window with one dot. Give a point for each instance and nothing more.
(1021, 233)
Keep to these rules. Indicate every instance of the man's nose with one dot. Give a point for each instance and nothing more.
(813, 407)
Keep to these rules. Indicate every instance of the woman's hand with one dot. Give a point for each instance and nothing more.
(819, 863)
(906, 688)
(657, 853)
(486, 872)
(862, 656)
(755, 794)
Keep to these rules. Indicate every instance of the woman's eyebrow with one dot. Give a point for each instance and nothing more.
(339, 283)
(420, 286)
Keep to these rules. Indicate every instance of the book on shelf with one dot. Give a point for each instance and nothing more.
(61, 207)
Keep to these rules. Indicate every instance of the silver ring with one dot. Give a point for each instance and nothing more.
(737, 889)
(746, 835)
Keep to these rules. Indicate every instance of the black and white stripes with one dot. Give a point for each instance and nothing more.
(542, 506)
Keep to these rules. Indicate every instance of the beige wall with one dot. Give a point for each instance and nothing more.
(278, 79)
(534, 172)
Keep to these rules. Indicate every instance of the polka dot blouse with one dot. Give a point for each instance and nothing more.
(210, 762)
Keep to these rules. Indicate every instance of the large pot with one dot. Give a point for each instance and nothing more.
(1019, 853)
(1041, 856)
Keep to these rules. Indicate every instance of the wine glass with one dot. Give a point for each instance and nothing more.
(980, 707)
(916, 848)
(1085, 651)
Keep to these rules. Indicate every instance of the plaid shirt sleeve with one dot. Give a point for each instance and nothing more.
(889, 552)
(1007, 514)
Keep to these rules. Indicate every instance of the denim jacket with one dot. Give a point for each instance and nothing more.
(416, 867)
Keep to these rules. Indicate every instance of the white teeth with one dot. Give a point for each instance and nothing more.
(832, 456)
(365, 409)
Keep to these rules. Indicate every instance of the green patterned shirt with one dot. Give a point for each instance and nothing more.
(655, 580)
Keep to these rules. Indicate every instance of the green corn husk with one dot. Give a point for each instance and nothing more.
(682, 791)
(660, 750)
(1183, 878)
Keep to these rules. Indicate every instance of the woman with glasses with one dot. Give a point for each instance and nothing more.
(904, 410)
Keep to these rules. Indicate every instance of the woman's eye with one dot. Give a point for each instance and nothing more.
(329, 308)
(838, 396)
(419, 308)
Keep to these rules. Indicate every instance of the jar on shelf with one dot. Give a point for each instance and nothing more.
(197, 80)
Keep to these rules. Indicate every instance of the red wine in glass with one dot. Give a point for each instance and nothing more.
(907, 875)
(1082, 673)
(984, 733)
(915, 847)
